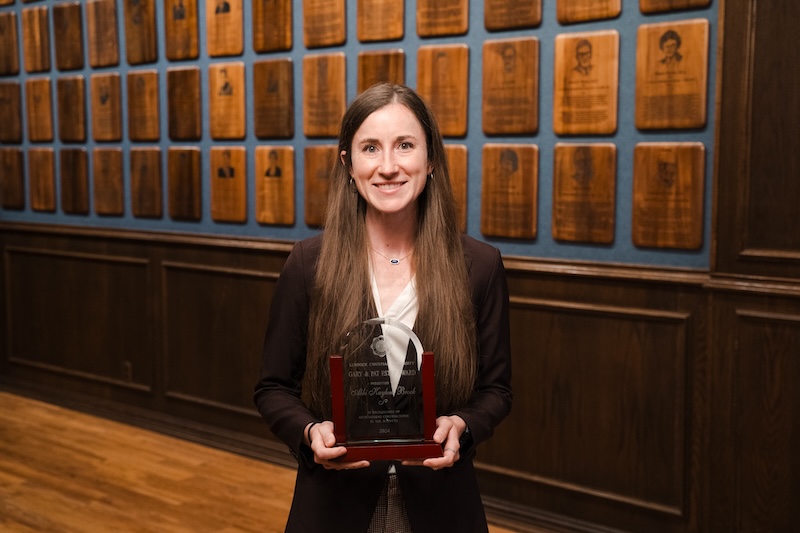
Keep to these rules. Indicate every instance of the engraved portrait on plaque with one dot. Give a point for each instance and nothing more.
(511, 86)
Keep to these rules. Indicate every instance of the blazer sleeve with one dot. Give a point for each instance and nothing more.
(283, 359)
(491, 400)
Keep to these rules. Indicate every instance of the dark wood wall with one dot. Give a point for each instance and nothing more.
(646, 399)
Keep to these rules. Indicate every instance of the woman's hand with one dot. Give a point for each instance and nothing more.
(322, 442)
(448, 434)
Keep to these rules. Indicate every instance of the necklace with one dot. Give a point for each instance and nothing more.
(392, 260)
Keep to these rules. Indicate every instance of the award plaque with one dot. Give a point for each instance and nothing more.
(378, 66)
(586, 83)
(146, 182)
(654, 6)
(106, 107)
(275, 185)
(183, 103)
(226, 100)
(180, 26)
(11, 112)
(501, 15)
(457, 163)
(101, 24)
(380, 20)
(12, 179)
(570, 11)
(511, 86)
(39, 105)
(324, 94)
(9, 44)
(35, 39)
(442, 17)
(183, 177)
(71, 93)
(272, 25)
(442, 81)
(319, 161)
(224, 27)
(68, 33)
(510, 190)
(383, 395)
(109, 190)
(672, 74)
(74, 181)
(324, 23)
(143, 123)
(228, 184)
(273, 98)
(41, 178)
(668, 188)
(140, 31)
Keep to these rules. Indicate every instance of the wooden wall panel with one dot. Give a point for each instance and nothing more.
(105, 338)
(207, 297)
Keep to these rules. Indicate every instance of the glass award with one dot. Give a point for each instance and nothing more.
(383, 396)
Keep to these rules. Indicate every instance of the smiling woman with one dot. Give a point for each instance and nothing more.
(392, 249)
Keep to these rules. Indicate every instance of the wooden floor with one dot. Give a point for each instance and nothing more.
(65, 471)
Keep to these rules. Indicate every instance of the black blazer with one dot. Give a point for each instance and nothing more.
(329, 500)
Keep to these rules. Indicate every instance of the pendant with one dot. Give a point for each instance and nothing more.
(394, 261)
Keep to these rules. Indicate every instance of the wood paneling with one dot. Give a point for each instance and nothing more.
(757, 187)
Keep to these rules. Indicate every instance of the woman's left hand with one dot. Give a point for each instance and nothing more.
(448, 434)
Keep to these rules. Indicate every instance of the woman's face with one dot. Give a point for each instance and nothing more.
(389, 160)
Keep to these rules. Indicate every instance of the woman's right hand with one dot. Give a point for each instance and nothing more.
(326, 453)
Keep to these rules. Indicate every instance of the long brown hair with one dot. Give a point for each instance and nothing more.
(342, 295)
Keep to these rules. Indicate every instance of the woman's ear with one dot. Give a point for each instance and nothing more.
(343, 157)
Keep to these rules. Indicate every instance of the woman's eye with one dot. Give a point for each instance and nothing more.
(370, 148)
(406, 145)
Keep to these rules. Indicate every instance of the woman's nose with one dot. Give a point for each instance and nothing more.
(388, 163)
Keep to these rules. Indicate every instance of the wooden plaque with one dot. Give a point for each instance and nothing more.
(39, 102)
(324, 89)
(511, 86)
(35, 39)
(586, 83)
(668, 187)
(654, 6)
(106, 107)
(140, 31)
(569, 11)
(459, 177)
(672, 74)
(183, 103)
(510, 190)
(275, 185)
(12, 179)
(41, 179)
(10, 112)
(318, 168)
(143, 120)
(323, 23)
(109, 196)
(226, 100)
(228, 184)
(183, 175)
(380, 20)
(9, 44)
(273, 98)
(272, 25)
(442, 80)
(584, 192)
(224, 27)
(180, 28)
(511, 14)
(71, 109)
(381, 66)
(442, 17)
(74, 171)
(101, 23)
(68, 32)
(146, 182)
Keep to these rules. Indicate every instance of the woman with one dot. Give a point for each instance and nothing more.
(391, 248)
